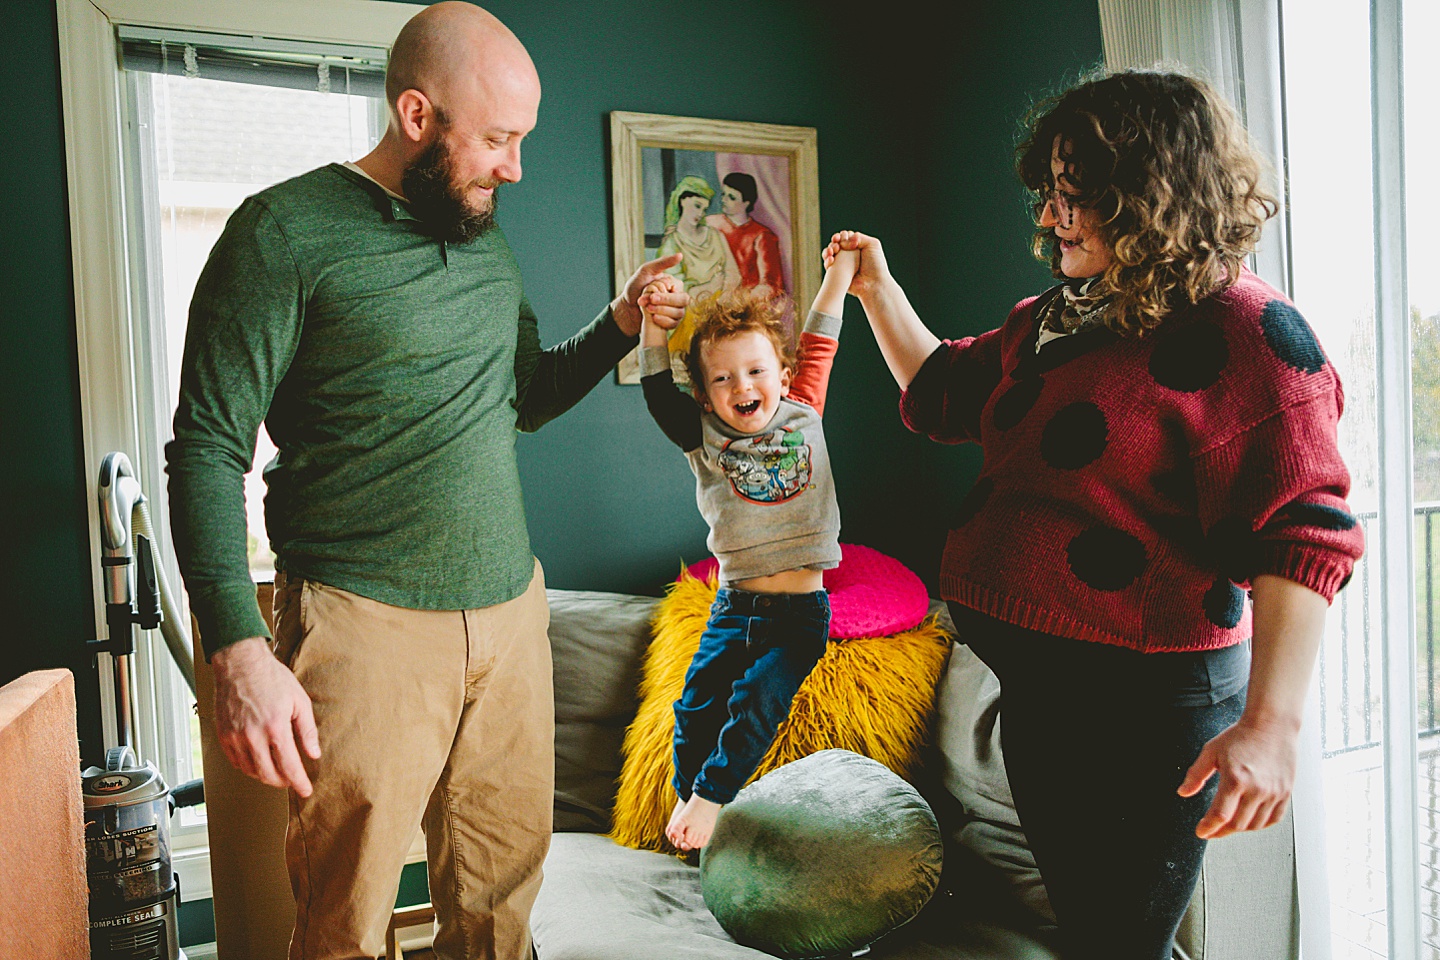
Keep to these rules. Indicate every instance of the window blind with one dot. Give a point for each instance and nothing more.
(326, 68)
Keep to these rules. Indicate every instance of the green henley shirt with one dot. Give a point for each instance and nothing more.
(392, 371)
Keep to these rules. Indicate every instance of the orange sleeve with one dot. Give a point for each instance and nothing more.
(812, 373)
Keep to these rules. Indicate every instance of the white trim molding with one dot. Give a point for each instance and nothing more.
(1395, 552)
(92, 83)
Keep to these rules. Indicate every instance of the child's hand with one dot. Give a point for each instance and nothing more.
(872, 270)
(658, 293)
(659, 300)
(844, 264)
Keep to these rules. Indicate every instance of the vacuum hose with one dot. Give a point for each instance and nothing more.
(132, 566)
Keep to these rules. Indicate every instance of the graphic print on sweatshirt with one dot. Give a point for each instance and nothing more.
(769, 467)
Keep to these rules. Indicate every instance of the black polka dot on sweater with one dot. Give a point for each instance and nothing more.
(1318, 515)
(1234, 548)
(1180, 530)
(1014, 403)
(1291, 337)
(974, 501)
(1105, 558)
(1192, 358)
(1224, 603)
(1177, 485)
(1075, 436)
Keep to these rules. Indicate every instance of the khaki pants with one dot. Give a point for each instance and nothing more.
(440, 718)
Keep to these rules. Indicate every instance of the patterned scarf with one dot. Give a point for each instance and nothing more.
(1079, 307)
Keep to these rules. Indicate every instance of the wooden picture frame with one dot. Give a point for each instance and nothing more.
(767, 174)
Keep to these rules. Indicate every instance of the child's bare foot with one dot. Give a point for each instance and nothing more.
(691, 825)
(672, 829)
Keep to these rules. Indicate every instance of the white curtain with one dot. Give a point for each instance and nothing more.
(1202, 35)
(1233, 44)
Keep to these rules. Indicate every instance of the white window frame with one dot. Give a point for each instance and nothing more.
(1395, 552)
(113, 357)
(1140, 32)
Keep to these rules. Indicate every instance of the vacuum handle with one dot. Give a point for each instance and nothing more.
(120, 758)
(147, 585)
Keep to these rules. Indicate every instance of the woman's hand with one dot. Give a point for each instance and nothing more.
(1256, 764)
(904, 340)
(873, 273)
(1256, 757)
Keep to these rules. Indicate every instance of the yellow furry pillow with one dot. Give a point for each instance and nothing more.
(871, 695)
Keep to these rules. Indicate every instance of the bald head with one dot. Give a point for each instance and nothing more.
(462, 58)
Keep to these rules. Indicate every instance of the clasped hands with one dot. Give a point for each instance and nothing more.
(651, 292)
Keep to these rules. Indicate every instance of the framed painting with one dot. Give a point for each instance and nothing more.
(740, 200)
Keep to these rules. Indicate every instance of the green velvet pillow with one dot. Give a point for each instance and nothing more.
(821, 857)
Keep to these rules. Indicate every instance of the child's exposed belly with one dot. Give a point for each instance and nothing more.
(786, 581)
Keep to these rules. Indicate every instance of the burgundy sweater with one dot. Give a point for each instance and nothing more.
(1132, 487)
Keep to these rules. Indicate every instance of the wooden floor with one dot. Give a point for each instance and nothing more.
(1354, 811)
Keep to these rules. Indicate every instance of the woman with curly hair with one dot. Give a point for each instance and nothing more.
(1159, 437)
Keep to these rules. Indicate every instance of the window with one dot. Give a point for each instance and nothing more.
(174, 112)
(195, 148)
(1322, 92)
(1346, 192)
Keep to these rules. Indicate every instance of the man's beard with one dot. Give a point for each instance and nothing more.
(434, 198)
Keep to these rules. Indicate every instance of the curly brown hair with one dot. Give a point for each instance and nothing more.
(1164, 161)
(732, 313)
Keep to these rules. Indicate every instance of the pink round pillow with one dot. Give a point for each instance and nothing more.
(871, 595)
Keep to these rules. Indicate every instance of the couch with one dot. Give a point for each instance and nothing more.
(600, 901)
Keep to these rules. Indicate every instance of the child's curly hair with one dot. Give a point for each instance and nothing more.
(734, 312)
(1164, 161)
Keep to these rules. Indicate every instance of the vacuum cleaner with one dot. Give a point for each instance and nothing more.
(134, 893)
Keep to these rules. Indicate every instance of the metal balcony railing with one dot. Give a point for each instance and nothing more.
(1349, 658)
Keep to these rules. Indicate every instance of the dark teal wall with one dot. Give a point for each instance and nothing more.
(45, 578)
(916, 123)
(916, 117)
(610, 501)
(972, 76)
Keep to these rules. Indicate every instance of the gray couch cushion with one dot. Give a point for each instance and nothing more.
(601, 901)
(972, 770)
(597, 641)
(605, 902)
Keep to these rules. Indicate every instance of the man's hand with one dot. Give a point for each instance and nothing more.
(261, 714)
(873, 271)
(1256, 765)
(666, 308)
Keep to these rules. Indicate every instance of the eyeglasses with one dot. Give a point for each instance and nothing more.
(1064, 202)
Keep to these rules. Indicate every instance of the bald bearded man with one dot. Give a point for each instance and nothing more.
(372, 315)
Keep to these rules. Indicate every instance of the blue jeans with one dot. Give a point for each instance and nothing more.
(756, 650)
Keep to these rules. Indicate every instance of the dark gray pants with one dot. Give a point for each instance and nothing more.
(1095, 748)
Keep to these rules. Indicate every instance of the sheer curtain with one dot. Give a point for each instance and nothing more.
(1235, 46)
